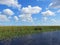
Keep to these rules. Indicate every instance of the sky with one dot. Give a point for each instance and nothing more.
(29, 12)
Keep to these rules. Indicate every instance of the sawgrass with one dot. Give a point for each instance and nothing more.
(17, 31)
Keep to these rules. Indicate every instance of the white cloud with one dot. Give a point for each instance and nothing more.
(12, 3)
(31, 10)
(3, 18)
(16, 18)
(48, 13)
(50, 4)
(26, 17)
(22, 17)
(28, 11)
(55, 4)
(8, 12)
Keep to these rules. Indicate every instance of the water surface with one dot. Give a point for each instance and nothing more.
(44, 38)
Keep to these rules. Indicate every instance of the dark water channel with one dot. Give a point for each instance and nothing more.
(46, 38)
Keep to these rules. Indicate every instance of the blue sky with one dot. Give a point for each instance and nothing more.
(29, 12)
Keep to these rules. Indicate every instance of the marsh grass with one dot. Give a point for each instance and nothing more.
(17, 31)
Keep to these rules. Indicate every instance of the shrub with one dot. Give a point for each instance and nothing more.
(38, 29)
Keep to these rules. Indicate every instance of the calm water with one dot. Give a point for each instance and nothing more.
(46, 38)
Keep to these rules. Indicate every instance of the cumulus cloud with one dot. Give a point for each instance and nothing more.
(16, 18)
(28, 11)
(31, 10)
(55, 4)
(3, 18)
(26, 17)
(12, 3)
(8, 12)
(48, 13)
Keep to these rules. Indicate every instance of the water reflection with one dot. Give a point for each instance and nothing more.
(46, 38)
